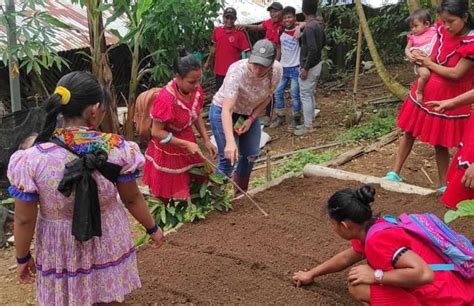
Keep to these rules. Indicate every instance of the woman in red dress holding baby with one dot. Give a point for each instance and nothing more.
(452, 74)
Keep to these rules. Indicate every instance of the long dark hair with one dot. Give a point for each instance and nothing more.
(458, 8)
(84, 91)
(352, 204)
(185, 62)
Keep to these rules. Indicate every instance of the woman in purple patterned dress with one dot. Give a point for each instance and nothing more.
(74, 183)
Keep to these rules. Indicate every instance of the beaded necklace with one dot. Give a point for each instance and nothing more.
(85, 140)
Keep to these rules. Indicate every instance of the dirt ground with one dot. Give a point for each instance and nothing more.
(266, 263)
(244, 257)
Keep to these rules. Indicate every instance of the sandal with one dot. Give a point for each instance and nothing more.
(393, 176)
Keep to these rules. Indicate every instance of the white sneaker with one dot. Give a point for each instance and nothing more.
(316, 112)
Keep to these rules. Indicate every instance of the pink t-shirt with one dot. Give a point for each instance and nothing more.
(424, 41)
(246, 90)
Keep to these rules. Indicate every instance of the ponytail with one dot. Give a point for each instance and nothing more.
(74, 92)
(53, 109)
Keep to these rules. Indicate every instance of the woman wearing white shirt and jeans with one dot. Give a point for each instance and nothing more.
(246, 91)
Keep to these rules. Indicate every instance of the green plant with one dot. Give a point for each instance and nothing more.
(464, 209)
(377, 126)
(386, 28)
(208, 192)
(296, 163)
(178, 24)
(8, 202)
(35, 28)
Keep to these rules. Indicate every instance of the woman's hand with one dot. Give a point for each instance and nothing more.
(246, 126)
(303, 278)
(442, 106)
(468, 177)
(230, 151)
(421, 58)
(26, 272)
(157, 238)
(211, 148)
(193, 148)
(362, 274)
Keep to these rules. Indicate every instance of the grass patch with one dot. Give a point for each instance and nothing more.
(295, 163)
(377, 126)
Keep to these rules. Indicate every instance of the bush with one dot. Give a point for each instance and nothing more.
(377, 126)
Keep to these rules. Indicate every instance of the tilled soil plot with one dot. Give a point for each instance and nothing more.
(244, 257)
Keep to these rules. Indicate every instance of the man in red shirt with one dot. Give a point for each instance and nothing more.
(270, 26)
(228, 45)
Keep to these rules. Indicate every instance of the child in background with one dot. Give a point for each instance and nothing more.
(421, 40)
(290, 60)
(397, 271)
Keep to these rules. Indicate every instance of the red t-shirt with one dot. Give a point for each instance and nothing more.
(448, 288)
(229, 45)
(271, 30)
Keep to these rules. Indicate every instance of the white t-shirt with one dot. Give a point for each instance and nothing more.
(245, 89)
(290, 49)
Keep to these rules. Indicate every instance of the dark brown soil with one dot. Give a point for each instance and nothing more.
(244, 257)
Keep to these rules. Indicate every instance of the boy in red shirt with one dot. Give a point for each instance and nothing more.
(228, 45)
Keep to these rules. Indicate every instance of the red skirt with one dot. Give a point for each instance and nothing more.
(443, 129)
(166, 170)
(464, 157)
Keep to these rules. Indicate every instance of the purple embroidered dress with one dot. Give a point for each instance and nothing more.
(70, 272)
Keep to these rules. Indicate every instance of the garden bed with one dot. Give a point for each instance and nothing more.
(244, 257)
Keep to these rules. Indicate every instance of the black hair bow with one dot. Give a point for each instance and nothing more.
(86, 221)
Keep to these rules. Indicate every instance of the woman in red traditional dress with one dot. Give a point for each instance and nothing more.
(398, 271)
(173, 149)
(452, 73)
(461, 172)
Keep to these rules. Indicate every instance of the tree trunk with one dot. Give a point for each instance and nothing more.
(132, 90)
(414, 5)
(395, 88)
(100, 64)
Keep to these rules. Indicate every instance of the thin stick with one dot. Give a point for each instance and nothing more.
(237, 186)
(427, 176)
(269, 165)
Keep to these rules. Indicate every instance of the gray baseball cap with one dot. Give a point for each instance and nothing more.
(263, 53)
(275, 6)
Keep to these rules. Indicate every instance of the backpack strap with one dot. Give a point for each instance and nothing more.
(394, 222)
(442, 267)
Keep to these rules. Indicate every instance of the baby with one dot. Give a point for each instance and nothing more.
(420, 41)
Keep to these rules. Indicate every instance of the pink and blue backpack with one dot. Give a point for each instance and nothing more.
(455, 249)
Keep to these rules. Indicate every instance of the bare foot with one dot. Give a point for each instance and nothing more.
(419, 96)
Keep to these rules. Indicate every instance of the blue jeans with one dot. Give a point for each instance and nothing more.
(289, 74)
(248, 144)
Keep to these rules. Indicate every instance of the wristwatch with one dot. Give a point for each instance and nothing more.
(378, 274)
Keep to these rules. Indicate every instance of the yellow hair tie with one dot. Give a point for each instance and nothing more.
(64, 93)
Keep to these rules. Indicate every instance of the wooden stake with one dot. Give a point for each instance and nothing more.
(269, 166)
(237, 186)
(358, 56)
